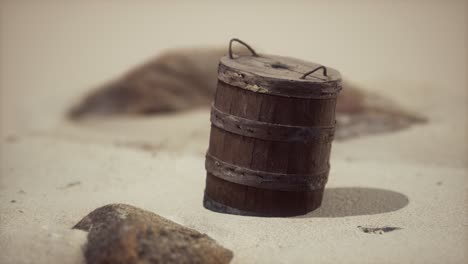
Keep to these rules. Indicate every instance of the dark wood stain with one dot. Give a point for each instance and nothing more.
(267, 155)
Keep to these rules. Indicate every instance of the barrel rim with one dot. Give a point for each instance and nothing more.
(301, 66)
(280, 82)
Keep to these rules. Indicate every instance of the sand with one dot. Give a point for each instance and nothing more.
(54, 172)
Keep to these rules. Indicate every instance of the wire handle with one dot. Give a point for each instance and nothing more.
(243, 43)
(314, 70)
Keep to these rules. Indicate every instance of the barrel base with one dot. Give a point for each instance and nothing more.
(214, 206)
(230, 198)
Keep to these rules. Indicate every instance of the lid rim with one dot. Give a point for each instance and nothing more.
(279, 86)
(292, 69)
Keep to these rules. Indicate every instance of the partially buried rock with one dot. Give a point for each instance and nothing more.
(120, 233)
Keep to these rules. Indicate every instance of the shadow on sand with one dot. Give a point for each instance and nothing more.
(354, 201)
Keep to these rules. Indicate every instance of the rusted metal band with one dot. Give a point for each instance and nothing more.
(213, 205)
(265, 180)
(269, 131)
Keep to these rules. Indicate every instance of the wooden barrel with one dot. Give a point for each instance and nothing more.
(272, 125)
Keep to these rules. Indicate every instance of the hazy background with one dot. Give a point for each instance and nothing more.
(51, 52)
(57, 171)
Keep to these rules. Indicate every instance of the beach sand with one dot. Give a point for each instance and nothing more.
(54, 171)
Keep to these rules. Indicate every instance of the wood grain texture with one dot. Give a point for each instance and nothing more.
(308, 158)
(278, 75)
(269, 131)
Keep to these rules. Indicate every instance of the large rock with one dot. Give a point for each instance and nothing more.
(120, 233)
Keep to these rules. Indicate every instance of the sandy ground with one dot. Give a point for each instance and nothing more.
(54, 172)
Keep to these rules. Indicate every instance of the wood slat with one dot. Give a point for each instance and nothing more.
(267, 155)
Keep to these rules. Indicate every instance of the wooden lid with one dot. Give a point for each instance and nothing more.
(277, 75)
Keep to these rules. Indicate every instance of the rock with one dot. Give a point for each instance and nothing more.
(185, 79)
(120, 233)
